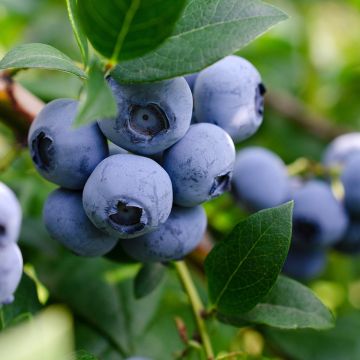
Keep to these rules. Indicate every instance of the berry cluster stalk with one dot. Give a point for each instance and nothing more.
(197, 306)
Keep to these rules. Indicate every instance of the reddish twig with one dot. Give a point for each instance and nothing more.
(296, 111)
(18, 107)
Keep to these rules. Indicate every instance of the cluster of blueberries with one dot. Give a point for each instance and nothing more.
(321, 219)
(11, 262)
(137, 181)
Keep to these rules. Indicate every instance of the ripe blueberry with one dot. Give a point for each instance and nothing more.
(10, 216)
(62, 154)
(128, 195)
(318, 219)
(260, 179)
(151, 117)
(11, 265)
(230, 94)
(350, 242)
(340, 149)
(351, 182)
(66, 222)
(305, 264)
(200, 165)
(173, 240)
(191, 79)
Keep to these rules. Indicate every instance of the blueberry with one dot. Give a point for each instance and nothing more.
(200, 165)
(305, 264)
(151, 117)
(115, 150)
(10, 216)
(339, 150)
(351, 182)
(230, 94)
(66, 222)
(318, 219)
(11, 265)
(118, 255)
(191, 79)
(260, 179)
(350, 242)
(128, 195)
(181, 234)
(62, 154)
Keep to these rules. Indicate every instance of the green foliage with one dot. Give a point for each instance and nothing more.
(121, 29)
(97, 100)
(84, 355)
(39, 56)
(109, 321)
(148, 278)
(207, 31)
(339, 343)
(242, 269)
(80, 36)
(289, 305)
(25, 305)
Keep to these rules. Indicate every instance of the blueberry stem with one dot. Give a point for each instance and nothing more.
(304, 166)
(197, 306)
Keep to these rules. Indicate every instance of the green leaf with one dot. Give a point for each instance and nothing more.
(242, 269)
(207, 31)
(84, 355)
(339, 343)
(80, 284)
(148, 278)
(42, 56)
(289, 305)
(98, 293)
(124, 29)
(97, 100)
(26, 303)
(78, 32)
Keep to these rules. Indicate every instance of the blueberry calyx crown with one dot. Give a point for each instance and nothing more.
(305, 231)
(128, 217)
(42, 151)
(259, 99)
(149, 120)
(2, 230)
(220, 185)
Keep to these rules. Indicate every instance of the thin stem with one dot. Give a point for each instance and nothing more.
(197, 306)
(303, 166)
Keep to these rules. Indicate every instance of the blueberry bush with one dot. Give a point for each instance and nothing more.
(155, 204)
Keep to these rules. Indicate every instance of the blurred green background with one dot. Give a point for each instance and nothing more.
(315, 58)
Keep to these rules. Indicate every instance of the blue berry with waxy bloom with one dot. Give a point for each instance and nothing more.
(128, 195)
(340, 149)
(319, 220)
(151, 117)
(176, 238)
(305, 264)
(350, 242)
(351, 181)
(200, 165)
(10, 216)
(66, 222)
(260, 179)
(61, 153)
(230, 94)
(191, 79)
(11, 266)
